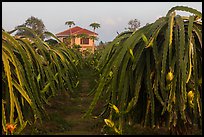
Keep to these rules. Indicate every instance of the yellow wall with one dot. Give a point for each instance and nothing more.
(84, 46)
(77, 41)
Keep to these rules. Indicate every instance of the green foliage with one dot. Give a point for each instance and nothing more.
(69, 23)
(140, 62)
(95, 25)
(133, 24)
(51, 42)
(33, 23)
(82, 35)
(91, 60)
(76, 47)
(33, 71)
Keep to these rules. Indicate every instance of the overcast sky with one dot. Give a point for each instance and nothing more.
(112, 16)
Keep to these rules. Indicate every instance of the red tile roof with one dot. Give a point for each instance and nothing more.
(76, 30)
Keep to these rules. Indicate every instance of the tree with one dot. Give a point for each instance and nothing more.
(93, 38)
(76, 46)
(134, 24)
(69, 23)
(95, 26)
(101, 43)
(35, 24)
(83, 36)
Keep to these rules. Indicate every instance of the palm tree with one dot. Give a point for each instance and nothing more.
(70, 23)
(94, 25)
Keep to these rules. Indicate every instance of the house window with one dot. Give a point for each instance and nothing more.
(84, 41)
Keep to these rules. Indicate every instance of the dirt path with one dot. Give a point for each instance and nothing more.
(81, 126)
(80, 104)
(66, 112)
(72, 114)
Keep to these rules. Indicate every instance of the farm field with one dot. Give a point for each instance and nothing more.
(66, 115)
(66, 112)
(144, 82)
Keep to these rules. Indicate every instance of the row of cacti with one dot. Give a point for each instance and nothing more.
(32, 72)
(154, 74)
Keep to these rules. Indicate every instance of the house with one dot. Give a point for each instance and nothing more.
(72, 36)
